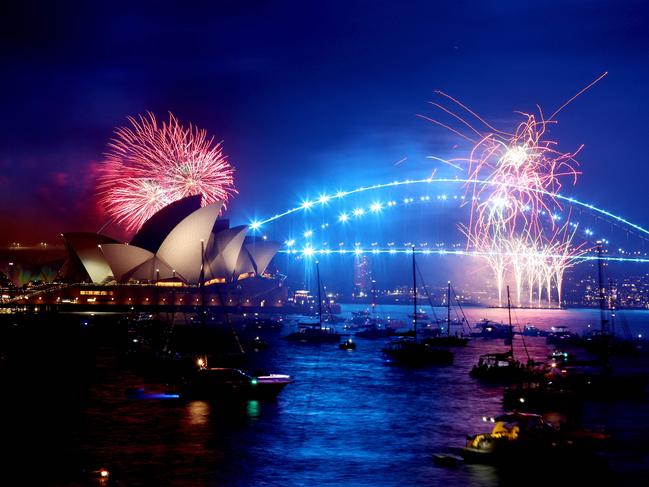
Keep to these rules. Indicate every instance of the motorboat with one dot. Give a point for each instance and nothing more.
(348, 344)
(227, 384)
(533, 331)
(523, 438)
(374, 330)
(561, 335)
(560, 356)
(500, 368)
(542, 395)
(491, 329)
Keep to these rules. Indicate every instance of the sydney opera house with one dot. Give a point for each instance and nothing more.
(182, 256)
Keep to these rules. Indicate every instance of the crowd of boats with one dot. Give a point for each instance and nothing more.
(531, 388)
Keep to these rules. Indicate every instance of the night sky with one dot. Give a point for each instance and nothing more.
(310, 96)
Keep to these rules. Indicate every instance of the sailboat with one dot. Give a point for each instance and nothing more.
(501, 367)
(449, 340)
(315, 332)
(373, 326)
(410, 351)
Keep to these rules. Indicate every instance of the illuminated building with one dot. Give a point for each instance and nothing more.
(362, 274)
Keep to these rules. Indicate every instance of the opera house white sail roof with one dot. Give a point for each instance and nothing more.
(176, 243)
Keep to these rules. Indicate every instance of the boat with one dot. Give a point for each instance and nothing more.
(360, 318)
(533, 331)
(258, 343)
(374, 330)
(561, 335)
(258, 323)
(420, 315)
(501, 367)
(314, 332)
(230, 384)
(448, 340)
(372, 326)
(490, 329)
(409, 351)
(527, 438)
(545, 394)
(348, 344)
(226, 383)
(560, 356)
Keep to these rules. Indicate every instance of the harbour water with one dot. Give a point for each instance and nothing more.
(348, 419)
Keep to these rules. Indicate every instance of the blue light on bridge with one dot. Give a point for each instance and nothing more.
(310, 251)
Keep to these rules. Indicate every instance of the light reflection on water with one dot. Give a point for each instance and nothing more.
(348, 419)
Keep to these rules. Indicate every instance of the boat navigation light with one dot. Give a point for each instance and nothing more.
(522, 400)
(253, 381)
(201, 362)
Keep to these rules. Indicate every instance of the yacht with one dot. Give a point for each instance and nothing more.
(528, 438)
(315, 332)
(408, 351)
(229, 384)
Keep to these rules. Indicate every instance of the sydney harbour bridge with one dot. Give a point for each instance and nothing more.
(427, 216)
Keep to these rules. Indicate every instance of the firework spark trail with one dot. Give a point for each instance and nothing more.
(513, 204)
(150, 165)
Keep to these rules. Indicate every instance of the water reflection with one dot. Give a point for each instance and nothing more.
(253, 409)
(198, 412)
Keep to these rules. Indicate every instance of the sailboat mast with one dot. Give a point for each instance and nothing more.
(202, 288)
(317, 268)
(414, 291)
(602, 299)
(448, 309)
(202, 282)
(511, 328)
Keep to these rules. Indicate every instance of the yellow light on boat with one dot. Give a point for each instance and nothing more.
(200, 362)
(522, 400)
(104, 473)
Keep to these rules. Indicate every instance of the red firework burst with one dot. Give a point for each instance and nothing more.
(151, 164)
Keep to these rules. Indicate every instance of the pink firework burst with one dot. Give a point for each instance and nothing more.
(151, 164)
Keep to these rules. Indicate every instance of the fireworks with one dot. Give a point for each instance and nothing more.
(151, 164)
(513, 179)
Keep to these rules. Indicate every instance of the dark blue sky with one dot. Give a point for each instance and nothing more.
(310, 96)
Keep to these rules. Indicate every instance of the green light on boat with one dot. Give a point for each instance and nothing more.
(253, 382)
